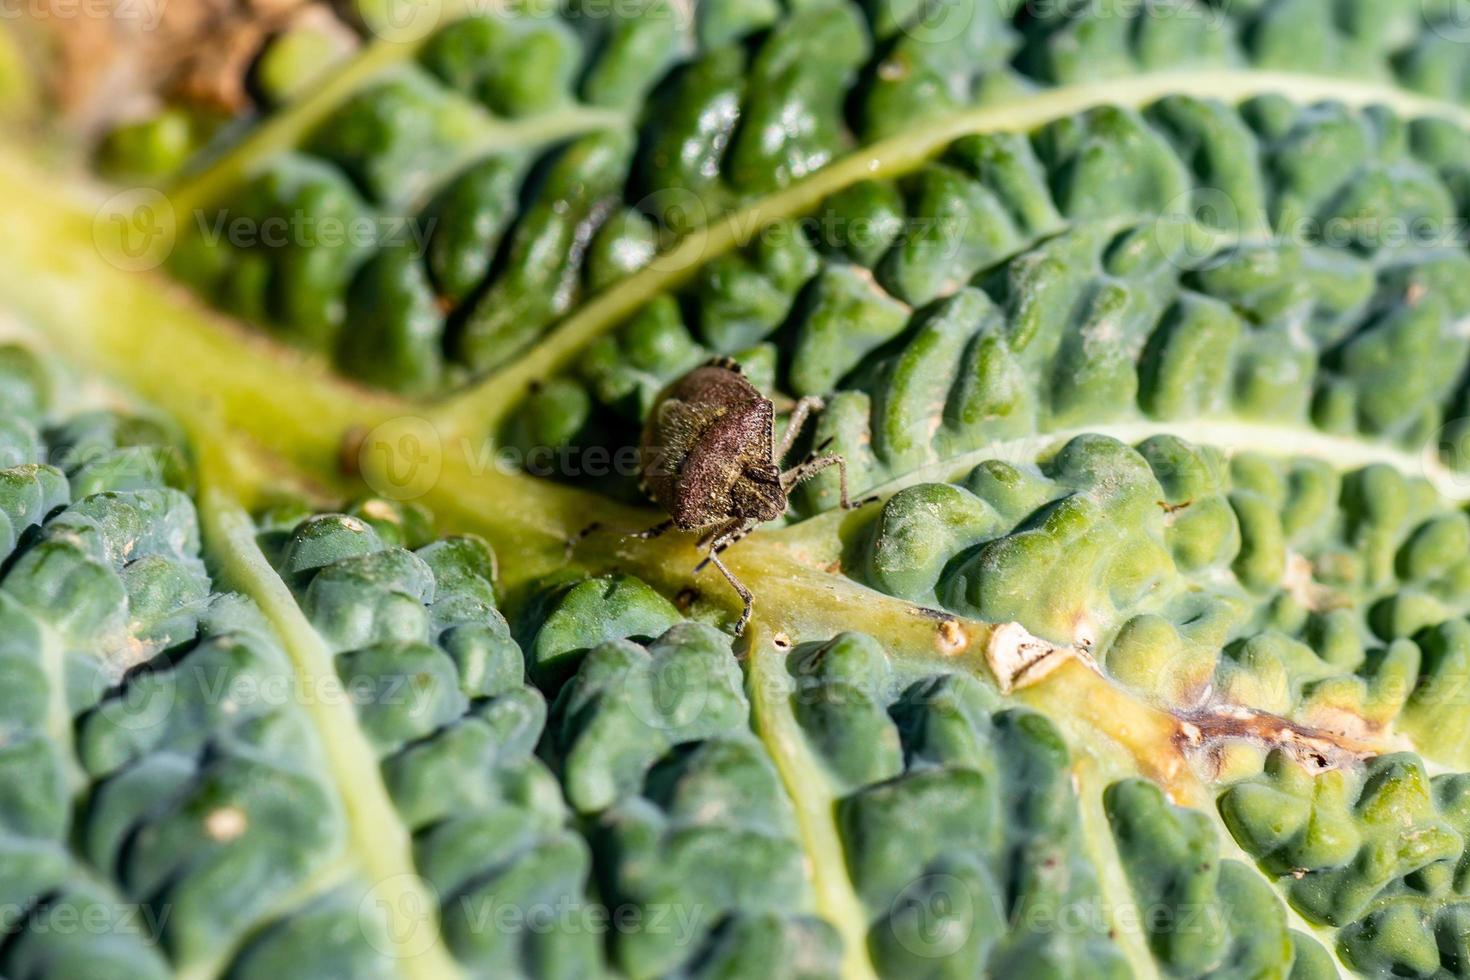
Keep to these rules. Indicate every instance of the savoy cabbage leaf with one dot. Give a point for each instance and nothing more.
(1144, 324)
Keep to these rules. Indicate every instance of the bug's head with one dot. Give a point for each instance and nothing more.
(757, 494)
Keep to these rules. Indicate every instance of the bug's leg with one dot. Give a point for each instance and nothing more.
(648, 534)
(745, 595)
(717, 541)
(794, 424)
(579, 537)
(715, 536)
(726, 536)
(736, 537)
(816, 464)
(718, 531)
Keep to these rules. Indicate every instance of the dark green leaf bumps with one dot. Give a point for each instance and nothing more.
(1253, 264)
(163, 795)
(158, 762)
(1278, 583)
(1186, 264)
(529, 160)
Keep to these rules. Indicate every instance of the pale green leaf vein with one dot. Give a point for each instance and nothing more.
(811, 794)
(378, 838)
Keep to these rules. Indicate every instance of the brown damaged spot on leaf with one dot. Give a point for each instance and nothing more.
(1300, 581)
(1018, 658)
(1108, 715)
(1342, 723)
(1204, 735)
(951, 638)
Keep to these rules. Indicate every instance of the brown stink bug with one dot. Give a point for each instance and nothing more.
(709, 458)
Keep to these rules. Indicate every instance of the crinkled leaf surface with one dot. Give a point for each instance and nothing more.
(1146, 327)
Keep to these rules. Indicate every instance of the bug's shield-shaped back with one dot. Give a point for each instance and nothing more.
(706, 451)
